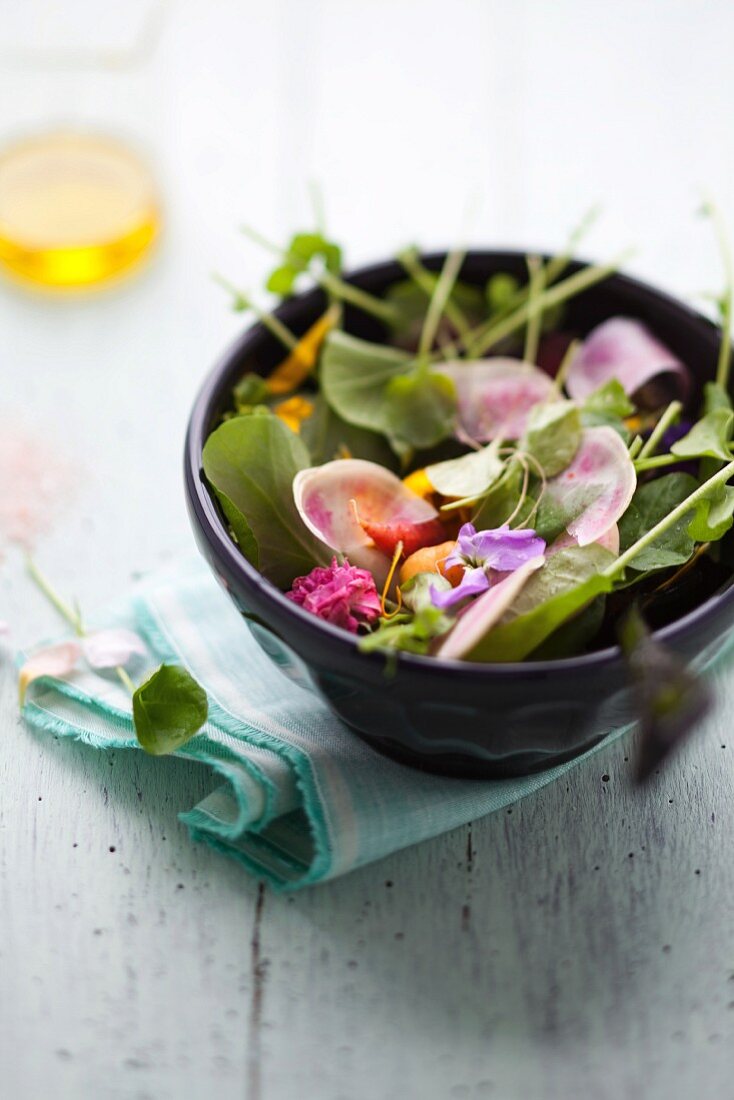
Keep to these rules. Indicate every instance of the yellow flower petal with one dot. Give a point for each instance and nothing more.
(294, 411)
(419, 484)
(293, 371)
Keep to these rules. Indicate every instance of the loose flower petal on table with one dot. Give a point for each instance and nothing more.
(57, 661)
(112, 648)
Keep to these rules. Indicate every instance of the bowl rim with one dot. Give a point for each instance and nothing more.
(211, 525)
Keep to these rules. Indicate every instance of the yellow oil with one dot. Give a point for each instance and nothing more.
(75, 210)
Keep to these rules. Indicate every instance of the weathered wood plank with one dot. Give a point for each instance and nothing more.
(581, 944)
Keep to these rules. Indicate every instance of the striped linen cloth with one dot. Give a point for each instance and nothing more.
(296, 797)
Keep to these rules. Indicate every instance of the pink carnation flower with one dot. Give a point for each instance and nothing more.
(341, 594)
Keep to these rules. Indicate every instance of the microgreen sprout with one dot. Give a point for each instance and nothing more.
(724, 302)
(168, 708)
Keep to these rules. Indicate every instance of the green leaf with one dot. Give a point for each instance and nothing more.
(671, 700)
(307, 246)
(410, 634)
(380, 388)
(551, 518)
(569, 580)
(573, 637)
(650, 504)
(420, 408)
(715, 397)
(600, 420)
(709, 438)
(240, 529)
(502, 500)
(500, 291)
(168, 710)
(354, 374)
(411, 303)
(608, 406)
(281, 280)
(713, 517)
(250, 390)
(468, 476)
(328, 436)
(416, 592)
(250, 462)
(609, 400)
(553, 435)
(301, 251)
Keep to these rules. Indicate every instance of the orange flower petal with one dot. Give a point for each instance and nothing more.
(294, 370)
(294, 411)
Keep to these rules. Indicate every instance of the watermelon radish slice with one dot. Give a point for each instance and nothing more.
(486, 611)
(595, 490)
(608, 541)
(624, 349)
(495, 396)
(363, 510)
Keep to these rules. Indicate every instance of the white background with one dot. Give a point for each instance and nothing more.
(548, 962)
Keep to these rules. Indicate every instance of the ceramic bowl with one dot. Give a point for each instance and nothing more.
(451, 717)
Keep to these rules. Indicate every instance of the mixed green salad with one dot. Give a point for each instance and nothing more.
(478, 481)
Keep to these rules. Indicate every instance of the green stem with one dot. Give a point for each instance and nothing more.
(671, 414)
(724, 363)
(347, 292)
(553, 296)
(536, 282)
(635, 447)
(486, 335)
(558, 264)
(243, 302)
(439, 298)
(317, 205)
(71, 616)
(656, 462)
(330, 282)
(620, 564)
(553, 269)
(265, 242)
(426, 281)
(125, 679)
(560, 379)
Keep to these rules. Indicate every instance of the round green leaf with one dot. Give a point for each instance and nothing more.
(168, 709)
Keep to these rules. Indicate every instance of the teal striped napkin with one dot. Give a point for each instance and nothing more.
(296, 797)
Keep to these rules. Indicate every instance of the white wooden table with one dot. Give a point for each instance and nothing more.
(580, 944)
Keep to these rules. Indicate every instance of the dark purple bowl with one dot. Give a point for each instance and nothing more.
(451, 717)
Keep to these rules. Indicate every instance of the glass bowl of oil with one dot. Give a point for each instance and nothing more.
(76, 209)
(78, 203)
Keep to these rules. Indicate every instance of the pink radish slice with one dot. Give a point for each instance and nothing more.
(335, 499)
(486, 612)
(623, 349)
(597, 486)
(495, 396)
(608, 541)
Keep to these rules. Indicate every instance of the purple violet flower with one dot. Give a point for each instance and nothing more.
(502, 550)
(473, 583)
